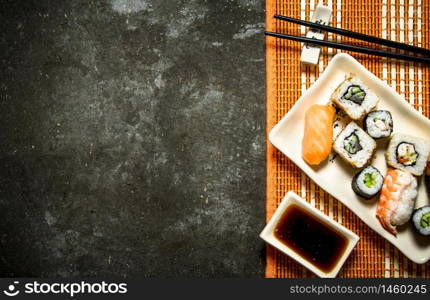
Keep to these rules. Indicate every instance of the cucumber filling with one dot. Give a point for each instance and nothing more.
(425, 220)
(355, 94)
(351, 144)
(370, 179)
(406, 154)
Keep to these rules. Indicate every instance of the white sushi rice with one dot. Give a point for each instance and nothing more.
(422, 147)
(407, 197)
(355, 111)
(341, 120)
(368, 145)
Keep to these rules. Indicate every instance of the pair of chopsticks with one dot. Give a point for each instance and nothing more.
(364, 37)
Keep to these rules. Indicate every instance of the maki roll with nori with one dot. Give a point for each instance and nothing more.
(421, 220)
(408, 153)
(368, 182)
(355, 98)
(378, 124)
(354, 145)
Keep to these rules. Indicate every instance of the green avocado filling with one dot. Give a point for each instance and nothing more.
(352, 144)
(370, 179)
(355, 94)
(425, 220)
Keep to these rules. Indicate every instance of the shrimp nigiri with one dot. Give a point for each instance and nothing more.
(318, 136)
(397, 199)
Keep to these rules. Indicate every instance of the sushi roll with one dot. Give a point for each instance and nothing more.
(397, 199)
(368, 182)
(354, 98)
(421, 220)
(378, 124)
(341, 120)
(354, 145)
(408, 153)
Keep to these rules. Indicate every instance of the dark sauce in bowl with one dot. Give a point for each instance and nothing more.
(313, 240)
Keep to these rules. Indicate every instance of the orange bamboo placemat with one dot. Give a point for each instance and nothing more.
(401, 20)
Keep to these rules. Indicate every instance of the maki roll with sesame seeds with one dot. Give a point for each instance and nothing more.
(354, 97)
(408, 153)
(341, 120)
(354, 145)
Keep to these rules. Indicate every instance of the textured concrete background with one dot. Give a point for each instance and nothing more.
(132, 138)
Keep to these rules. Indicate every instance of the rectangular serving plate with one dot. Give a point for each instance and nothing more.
(335, 176)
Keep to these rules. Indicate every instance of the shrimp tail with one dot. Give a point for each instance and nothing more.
(384, 217)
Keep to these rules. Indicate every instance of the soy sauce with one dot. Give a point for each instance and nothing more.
(312, 239)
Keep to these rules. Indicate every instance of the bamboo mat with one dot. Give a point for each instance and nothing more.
(400, 20)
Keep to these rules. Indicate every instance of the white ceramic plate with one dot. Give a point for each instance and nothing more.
(335, 176)
(268, 234)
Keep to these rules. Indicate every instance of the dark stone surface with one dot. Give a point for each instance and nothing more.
(132, 138)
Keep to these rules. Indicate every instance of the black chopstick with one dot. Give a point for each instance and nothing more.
(356, 35)
(376, 52)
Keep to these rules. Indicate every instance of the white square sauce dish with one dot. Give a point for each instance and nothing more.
(309, 237)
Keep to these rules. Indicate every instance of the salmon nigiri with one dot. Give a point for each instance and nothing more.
(318, 137)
